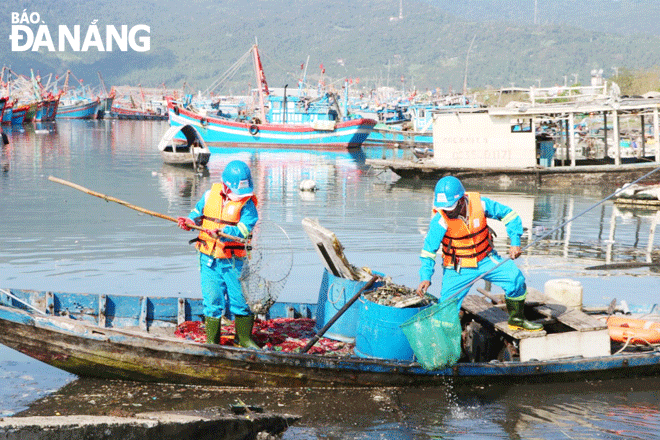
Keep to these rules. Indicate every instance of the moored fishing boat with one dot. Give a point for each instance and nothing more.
(47, 109)
(321, 134)
(290, 121)
(18, 114)
(120, 111)
(8, 113)
(190, 151)
(78, 109)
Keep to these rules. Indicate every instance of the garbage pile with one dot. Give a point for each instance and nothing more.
(395, 295)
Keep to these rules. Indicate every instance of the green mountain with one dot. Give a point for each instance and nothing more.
(198, 41)
(625, 17)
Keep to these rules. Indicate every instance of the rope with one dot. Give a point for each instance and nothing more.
(229, 73)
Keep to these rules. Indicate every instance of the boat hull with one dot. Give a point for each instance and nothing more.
(389, 135)
(106, 337)
(86, 110)
(198, 157)
(119, 112)
(346, 134)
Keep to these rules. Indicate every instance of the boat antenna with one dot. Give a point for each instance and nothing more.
(467, 287)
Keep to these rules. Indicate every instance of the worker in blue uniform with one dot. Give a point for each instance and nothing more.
(459, 227)
(229, 208)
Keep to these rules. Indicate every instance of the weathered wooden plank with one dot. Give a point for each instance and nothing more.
(485, 310)
(103, 303)
(181, 311)
(331, 252)
(573, 318)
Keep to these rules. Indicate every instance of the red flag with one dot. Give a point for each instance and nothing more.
(302, 66)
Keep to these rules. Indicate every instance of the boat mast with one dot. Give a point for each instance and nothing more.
(261, 82)
(304, 78)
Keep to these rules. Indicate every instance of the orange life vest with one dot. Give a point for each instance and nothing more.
(465, 244)
(219, 211)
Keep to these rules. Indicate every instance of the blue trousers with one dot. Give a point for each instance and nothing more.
(221, 288)
(507, 276)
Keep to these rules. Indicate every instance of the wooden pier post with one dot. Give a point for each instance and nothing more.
(656, 133)
(571, 137)
(615, 137)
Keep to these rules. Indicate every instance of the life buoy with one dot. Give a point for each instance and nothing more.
(254, 130)
(633, 331)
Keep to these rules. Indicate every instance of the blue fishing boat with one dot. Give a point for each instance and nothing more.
(133, 338)
(285, 121)
(3, 105)
(46, 109)
(18, 114)
(78, 109)
(7, 113)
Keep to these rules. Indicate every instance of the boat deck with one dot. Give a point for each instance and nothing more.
(567, 331)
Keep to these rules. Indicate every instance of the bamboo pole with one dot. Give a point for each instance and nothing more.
(139, 209)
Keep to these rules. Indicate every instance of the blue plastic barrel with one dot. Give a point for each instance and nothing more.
(334, 293)
(378, 333)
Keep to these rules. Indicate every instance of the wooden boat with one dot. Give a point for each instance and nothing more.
(47, 109)
(122, 111)
(18, 114)
(78, 108)
(547, 177)
(189, 151)
(643, 195)
(291, 121)
(133, 338)
(8, 113)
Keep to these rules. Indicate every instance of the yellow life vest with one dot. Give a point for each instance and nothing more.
(465, 244)
(219, 211)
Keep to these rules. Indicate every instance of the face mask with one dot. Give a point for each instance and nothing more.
(236, 197)
(454, 213)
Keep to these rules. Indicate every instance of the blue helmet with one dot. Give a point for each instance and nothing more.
(238, 178)
(448, 191)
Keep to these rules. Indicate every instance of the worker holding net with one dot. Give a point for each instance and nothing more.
(227, 209)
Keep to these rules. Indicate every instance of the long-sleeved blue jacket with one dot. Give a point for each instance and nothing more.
(438, 228)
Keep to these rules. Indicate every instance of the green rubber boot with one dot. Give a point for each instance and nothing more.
(244, 326)
(212, 330)
(517, 321)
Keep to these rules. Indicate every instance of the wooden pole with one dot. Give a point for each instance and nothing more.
(139, 209)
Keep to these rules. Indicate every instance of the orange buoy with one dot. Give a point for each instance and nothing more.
(624, 321)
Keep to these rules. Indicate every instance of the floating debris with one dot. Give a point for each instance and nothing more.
(395, 295)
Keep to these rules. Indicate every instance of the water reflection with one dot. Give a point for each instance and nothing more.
(598, 409)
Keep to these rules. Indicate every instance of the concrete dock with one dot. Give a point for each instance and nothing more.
(197, 425)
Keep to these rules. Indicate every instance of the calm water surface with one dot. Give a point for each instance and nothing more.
(57, 238)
